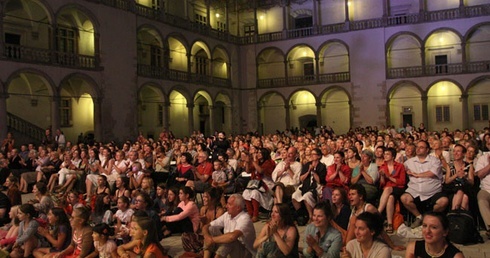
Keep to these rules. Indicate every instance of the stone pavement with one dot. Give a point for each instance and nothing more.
(174, 243)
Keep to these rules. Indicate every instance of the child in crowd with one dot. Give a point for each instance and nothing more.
(219, 175)
(160, 202)
(147, 187)
(135, 175)
(102, 210)
(104, 247)
(8, 233)
(57, 236)
(81, 243)
(26, 240)
(123, 217)
(144, 241)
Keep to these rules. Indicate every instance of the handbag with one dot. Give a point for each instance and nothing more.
(192, 242)
(253, 184)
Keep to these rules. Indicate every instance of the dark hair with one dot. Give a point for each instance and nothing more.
(393, 152)
(85, 213)
(214, 194)
(103, 229)
(459, 145)
(41, 187)
(285, 213)
(341, 153)
(266, 155)
(326, 207)
(152, 235)
(356, 152)
(147, 198)
(28, 209)
(361, 191)
(101, 207)
(343, 193)
(426, 144)
(373, 221)
(440, 216)
(189, 191)
(188, 157)
(61, 215)
(124, 199)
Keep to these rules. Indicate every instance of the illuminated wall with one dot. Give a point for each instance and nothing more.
(179, 118)
(272, 113)
(336, 112)
(404, 51)
(445, 93)
(405, 96)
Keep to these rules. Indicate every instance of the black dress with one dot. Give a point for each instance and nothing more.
(450, 251)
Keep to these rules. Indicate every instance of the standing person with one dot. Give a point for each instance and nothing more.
(81, 243)
(238, 232)
(321, 239)
(366, 244)
(435, 229)
(424, 186)
(8, 143)
(60, 139)
(280, 233)
(144, 241)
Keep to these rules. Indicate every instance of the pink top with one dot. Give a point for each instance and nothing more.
(190, 210)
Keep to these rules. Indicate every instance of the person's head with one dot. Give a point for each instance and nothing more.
(161, 190)
(145, 230)
(211, 196)
(122, 182)
(368, 226)
(26, 212)
(102, 203)
(339, 196)
(142, 201)
(435, 227)
(217, 165)
(12, 181)
(57, 216)
(338, 157)
(322, 214)
(357, 194)
(367, 156)
(80, 217)
(14, 211)
(185, 194)
(186, 157)
(40, 188)
(459, 152)
(281, 213)
(292, 154)
(102, 180)
(352, 153)
(235, 204)
(123, 203)
(378, 153)
(147, 183)
(389, 154)
(102, 232)
(423, 149)
(410, 150)
(172, 194)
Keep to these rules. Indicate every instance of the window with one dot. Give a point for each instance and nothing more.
(441, 64)
(66, 40)
(156, 56)
(155, 4)
(65, 112)
(443, 114)
(309, 71)
(249, 30)
(160, 114)
(201, 65)
(480, 112)
(221, 26)
(201, 19)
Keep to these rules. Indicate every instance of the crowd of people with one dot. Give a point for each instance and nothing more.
(109, 200)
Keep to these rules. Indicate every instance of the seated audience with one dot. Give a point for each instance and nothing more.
(57, 235)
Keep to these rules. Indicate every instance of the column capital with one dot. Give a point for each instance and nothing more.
(190, 105)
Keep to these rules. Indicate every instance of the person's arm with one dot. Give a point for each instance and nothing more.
(227, 237)
(262, 237)
(187, 210)
(410, 252)
(55, 242)
(124, 250)
(27, 233)
(471, 174)
(286, 246)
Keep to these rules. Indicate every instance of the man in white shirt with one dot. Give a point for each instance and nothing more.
(327, 157)
(286, 175)
(425, 184)
(238, 232)
(482, 169)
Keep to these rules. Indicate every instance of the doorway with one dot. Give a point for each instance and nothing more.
(407, 119)
(441, 64)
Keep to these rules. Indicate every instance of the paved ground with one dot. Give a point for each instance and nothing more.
(174, 243)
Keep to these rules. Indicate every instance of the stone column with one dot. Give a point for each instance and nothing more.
(190, 111)
(285, 15)
(318, 105)
(317, 69)
(386, 8)
(425, 115)
(346, 4)
(288, 116)
(212, 120)
(463, 56)
(189, 66)
(98, 119)
(319, 13)
(464, 104)
(315, 13)
(422, 6)
(55, 113)
(3, 115)
(286, 73)
(166, 115)
(208, 13)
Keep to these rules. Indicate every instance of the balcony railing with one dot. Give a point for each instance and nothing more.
(435, 70)
(46, 56)
(181, 76)
(304, 80)
(440, 15)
